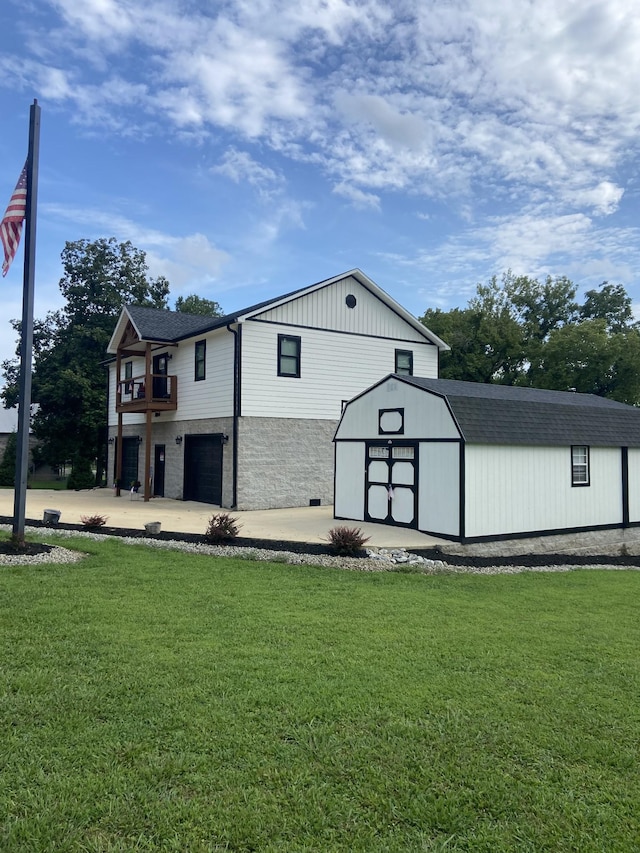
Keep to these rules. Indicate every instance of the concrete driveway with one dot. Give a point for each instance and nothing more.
(301, 524)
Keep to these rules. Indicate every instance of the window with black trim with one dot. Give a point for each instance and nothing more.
(128, 373)
(404, 362)
(289, 355)
(580, 475)
(201, 360)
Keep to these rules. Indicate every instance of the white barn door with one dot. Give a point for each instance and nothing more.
(391, 484)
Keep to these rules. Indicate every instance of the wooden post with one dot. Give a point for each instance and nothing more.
(147, 458)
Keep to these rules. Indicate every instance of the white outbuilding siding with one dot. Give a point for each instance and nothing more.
(634, 485)
(439, 492)
(530, 489)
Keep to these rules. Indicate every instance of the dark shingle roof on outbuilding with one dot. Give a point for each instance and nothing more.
(504, 414)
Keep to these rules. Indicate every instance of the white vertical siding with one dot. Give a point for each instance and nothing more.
(425, 415)
(334, 367)
(521, 489)
(349, 480)
(326, 308)
(634, 484)
(439, 489)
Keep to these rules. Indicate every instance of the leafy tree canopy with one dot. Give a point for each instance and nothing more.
(517, 330)
(69, 380)
(198, 305)
(8, 463)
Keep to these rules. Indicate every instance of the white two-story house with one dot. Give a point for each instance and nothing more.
(240, 411)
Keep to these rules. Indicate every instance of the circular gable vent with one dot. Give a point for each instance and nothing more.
(351, 301)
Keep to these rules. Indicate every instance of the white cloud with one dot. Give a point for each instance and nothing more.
(431, 98)
(187, 261)
(400, 130)
(603, 199)
(531, 104)
(239, 166)
(358, 198)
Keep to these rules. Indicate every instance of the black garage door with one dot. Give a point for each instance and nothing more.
(130, 446)
(203, 468)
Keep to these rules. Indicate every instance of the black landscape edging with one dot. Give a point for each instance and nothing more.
(529, 560)
(191, 538)
(435, 553)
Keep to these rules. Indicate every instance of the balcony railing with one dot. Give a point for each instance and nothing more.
(153, 392)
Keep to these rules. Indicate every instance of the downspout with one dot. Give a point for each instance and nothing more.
(237, 347)
(104, 447)
(118, 447)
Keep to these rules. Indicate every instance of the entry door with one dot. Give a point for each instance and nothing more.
(158, 471)
(203, 468)
(160, 370)
(391, 484)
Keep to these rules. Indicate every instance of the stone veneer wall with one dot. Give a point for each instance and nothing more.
(284, 462)
(165, 433)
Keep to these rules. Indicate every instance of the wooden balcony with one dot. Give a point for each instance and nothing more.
(151, 392)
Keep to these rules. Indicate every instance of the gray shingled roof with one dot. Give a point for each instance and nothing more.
(502, 414)
(157, 324)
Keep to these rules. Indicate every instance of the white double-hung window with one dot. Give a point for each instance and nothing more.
(579, 465)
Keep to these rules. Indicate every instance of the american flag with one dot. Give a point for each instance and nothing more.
(11, 225)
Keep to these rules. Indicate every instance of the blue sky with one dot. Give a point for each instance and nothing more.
(254, 146)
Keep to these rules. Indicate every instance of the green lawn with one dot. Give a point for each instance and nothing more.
(151, 700)
(58, 485)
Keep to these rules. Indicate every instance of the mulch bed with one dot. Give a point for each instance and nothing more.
(433, 553)
(29, 549)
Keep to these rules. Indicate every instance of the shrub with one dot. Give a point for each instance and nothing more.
(93, 521)
(81, 476)
(222, 527)
(347, 541)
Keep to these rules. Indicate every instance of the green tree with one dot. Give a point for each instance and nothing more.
(588, 358)
(612, 304)
(518, 330)
(8, 464)
(485, 347)
(539, 307)
(194, 304)
(69, 380)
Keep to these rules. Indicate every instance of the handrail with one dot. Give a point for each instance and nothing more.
(148, 388)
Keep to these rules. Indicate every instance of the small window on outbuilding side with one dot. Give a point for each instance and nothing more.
(289, 347)
(580, 475)
(201, 360)
(404, 362)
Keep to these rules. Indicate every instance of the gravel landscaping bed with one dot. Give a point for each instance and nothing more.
(428, 560)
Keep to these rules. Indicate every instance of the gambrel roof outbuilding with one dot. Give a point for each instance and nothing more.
(470, 461)
(505, 414)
